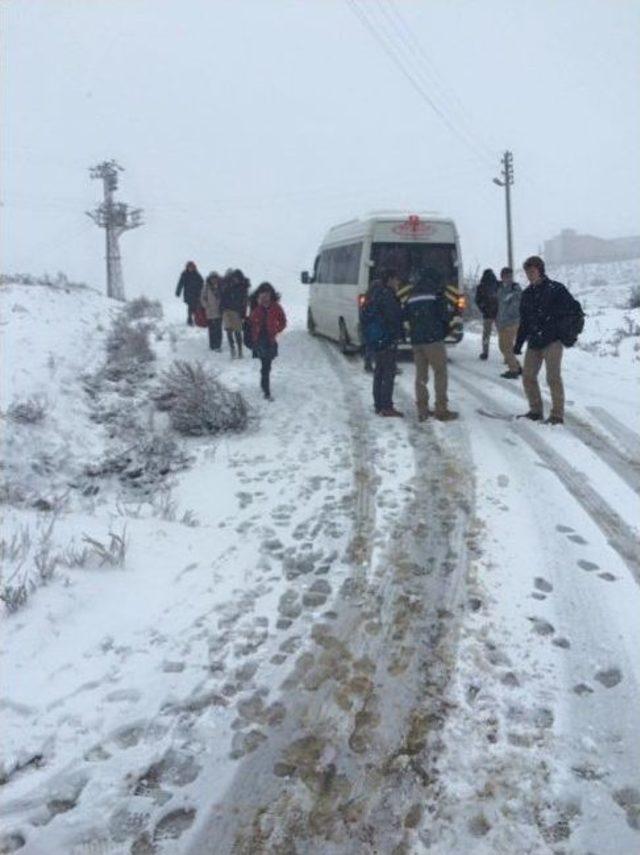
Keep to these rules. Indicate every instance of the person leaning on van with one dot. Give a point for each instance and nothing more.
(428, 318)
(383, 330)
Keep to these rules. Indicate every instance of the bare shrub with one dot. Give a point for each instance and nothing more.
(198, 403)
(15, 551)
(31, 411)
(189, 519)
(74, 556)
(143, 307)
(127, 348)
(113, 552)
(144, 463)
(163, 505)
(634, 298)
(14, 594)
(44, 559)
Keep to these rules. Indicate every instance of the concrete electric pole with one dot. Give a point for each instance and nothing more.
(115, 218)
(506, 182)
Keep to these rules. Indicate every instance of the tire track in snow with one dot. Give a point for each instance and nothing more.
(626, 437)
(351, 761)
(620, 536)
(626, 466)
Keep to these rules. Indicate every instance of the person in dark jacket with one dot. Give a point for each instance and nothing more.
(383, 330)
(428, 318)
(233, 302)
(487, 302)
(543, 303)
(190, 286)
(267, 320)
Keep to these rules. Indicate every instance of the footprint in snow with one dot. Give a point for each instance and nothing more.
(577, 538)
(589, 566)
(609, 677)
(542, 585)
(608, 577)
(541, 627)
(565, 529)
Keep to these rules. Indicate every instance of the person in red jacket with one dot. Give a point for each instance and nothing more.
(267, 320)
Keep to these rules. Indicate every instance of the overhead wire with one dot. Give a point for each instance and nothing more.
(429, 69)
(404, 64)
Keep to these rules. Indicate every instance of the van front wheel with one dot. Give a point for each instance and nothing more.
(311, 324)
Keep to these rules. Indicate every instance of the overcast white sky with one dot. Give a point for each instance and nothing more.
(248, 127)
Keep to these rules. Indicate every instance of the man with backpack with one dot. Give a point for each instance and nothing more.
(550, 319)
(382, 327)
(426, 312)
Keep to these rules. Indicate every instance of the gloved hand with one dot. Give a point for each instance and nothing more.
(517, 351)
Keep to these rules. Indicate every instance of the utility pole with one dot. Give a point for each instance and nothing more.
(115, 218)
(506, 182)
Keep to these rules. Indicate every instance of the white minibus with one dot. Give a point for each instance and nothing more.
(356, 252)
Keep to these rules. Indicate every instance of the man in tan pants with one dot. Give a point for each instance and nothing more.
(544, 302)
(508, 320)
(426, 312)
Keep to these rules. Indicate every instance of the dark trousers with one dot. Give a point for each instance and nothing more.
(265, 374)
(190, 313)
(384, 375)
(369, 355)
(235, 340)
(215, 333)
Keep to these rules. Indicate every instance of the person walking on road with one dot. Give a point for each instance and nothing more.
(190, 286)
(508, 320)
(543, 307)
(210, 300)
(426, 313)
(234, 309)
(487, 302)
(266, 321)
(383, 329)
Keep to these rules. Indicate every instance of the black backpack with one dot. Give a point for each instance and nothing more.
(571, 323)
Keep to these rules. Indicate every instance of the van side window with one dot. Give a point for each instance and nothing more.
(340, 265)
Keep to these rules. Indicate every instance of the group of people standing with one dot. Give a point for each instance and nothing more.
(254, 319)
(544, 316)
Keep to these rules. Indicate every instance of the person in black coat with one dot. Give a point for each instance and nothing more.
(233, 303)
(487, 302)
(384, 329)
(544, 303)
(190, 286)
(428, 318)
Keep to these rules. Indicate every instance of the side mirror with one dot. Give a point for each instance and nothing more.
(304, 277)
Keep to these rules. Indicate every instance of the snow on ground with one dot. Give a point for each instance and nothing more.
(330, 633)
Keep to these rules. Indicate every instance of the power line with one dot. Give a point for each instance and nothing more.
(413, 46)
(386, 45)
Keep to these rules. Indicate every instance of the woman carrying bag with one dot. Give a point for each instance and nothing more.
(266, 322)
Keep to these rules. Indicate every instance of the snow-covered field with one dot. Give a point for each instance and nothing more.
(328, 633)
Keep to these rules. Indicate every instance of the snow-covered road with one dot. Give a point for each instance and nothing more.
(380, 636)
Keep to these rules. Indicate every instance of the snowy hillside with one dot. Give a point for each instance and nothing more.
(318, 631)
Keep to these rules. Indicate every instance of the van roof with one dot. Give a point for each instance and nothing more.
(358, 227)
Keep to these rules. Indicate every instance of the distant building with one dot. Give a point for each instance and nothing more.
(571, 248)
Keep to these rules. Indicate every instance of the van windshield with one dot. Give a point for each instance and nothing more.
(408, 259)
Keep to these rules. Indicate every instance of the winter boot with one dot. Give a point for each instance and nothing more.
(554, 420)
(446, 415)
(392, 413)
(534, 417)
(511, 375)
(483, 356)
